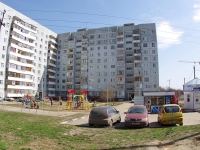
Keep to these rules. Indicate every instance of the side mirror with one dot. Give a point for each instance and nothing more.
(117, 111)
(125, 112)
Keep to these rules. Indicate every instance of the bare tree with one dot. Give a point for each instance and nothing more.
(108, 93)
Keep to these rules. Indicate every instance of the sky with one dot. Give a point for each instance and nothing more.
(177, 25)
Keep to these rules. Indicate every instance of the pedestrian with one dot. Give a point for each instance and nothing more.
(34, 104)
(26, 103)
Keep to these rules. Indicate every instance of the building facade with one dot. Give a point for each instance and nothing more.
(124, 57)
(28, 58)
(34, 59)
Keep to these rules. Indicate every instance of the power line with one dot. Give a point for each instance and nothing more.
(101, 15)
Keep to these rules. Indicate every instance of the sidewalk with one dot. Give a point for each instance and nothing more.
(41, 112)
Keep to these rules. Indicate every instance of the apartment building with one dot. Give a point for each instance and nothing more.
(28, 56)
(34, 59)
(124, 57)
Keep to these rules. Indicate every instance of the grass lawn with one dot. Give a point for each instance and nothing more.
(19, 131)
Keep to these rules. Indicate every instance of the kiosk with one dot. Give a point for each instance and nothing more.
(192, 94)
(154, 100)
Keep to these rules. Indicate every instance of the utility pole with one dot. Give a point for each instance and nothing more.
(1, 20)
(3, 24)
(169, 84)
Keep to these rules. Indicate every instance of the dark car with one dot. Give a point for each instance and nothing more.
(137, 116)
(104, 115)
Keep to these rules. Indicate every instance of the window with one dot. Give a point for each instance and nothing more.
(98, 73)
(105, 47)
(105, 73)
(144, 44)
(153, 38)
(1, 73)
(98, 54)
(145, 51)
(146, 58)
(40, 52)
(98, 80)
(154, 65)
(6, 32)
(105, 53)
(91, 36)
(112, 60)
(5, 40)
(153, 51)
(112, 53)
(105, 60)
(144, 38)
(2, 65)
(154, 58)
(188, 98)
(112, 46)
(4, 47)
(153, 44)
(99, 48)
(1, 81)
(98, 60)
(91, 48)
(105, 66)
(105, 80)
(112, 73)
(146, 79)
(112, 66)
(98, 67)
(3, 56)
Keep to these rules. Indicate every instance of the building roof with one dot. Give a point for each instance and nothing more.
(159, 93)
(195, 81)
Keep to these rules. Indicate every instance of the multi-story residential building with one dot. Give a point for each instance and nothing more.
(35, 59)
(124, 57)
(27, 56)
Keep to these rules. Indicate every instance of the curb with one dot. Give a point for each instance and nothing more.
(75, 119)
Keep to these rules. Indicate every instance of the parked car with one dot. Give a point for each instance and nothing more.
(137, 116)
(170, 114)
(10, 99)
(104, 115)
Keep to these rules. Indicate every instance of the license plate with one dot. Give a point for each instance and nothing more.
(135, 123)
(172, 121)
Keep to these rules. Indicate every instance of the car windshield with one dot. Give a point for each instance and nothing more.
(170, 109)
(136, 111)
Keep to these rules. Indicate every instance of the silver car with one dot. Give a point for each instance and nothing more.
(104, 115)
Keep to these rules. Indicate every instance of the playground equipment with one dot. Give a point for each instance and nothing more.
(77, 101)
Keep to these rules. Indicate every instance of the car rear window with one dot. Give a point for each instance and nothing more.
(99, 111)
(170, 109)
(136, 110)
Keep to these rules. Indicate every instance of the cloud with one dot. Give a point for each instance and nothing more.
(196, 16)
(167, 35)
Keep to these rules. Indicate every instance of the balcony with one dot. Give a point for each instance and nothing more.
(51, 52)
(20, 71)
(19, 87)
(24, 34)
(137, 54)
(51, 82)
(137, 61)
(120, 36)
(121, 82)
(51, 70)
(19, 23)
(23, 41)
(52, 77)
(23, 48)
(51, 95)
(19, 79)
(53, 58)
(51, 64)
(21, 63)
(51, 89)
(136, 34)
(53, 41)
(52, 46)
(136, 41)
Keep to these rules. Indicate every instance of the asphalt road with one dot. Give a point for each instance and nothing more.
(191, 118)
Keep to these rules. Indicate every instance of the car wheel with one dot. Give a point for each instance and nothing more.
(111, 123)
(158, 120)
(91, 125)
(160, 123)
(181, 124)
(118, 121)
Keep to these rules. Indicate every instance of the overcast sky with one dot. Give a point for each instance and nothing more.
(177, 22)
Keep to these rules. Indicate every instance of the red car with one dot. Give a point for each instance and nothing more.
(137, 116)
